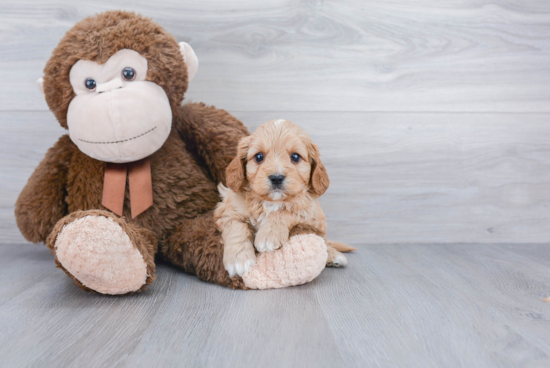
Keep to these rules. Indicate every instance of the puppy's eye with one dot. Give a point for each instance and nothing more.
(90, 84)
(259, 157)
(295, 157)
(128, 74)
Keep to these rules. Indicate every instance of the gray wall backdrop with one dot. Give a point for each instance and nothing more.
(431, 116)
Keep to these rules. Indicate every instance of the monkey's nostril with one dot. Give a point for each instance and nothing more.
(276, 180)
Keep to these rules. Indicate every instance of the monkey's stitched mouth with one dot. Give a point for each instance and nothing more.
(124, 140)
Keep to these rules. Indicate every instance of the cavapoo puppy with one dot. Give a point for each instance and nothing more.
(274, 182)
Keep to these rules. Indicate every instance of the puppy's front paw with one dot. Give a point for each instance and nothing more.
(335, 258)
(265, 245)
(267, 241)
(241, 262)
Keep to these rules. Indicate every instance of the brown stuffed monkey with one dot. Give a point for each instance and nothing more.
(136, 176)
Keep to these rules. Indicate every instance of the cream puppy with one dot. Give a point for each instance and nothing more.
(274, 182)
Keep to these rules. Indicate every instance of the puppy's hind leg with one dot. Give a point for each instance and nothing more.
(335, 258)
(340, 247)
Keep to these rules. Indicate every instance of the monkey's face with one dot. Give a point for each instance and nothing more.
(116, 80)
(116, 115)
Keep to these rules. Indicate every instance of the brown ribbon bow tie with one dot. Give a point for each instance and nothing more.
(141, 187)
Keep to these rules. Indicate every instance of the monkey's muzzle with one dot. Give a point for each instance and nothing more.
(120, 122)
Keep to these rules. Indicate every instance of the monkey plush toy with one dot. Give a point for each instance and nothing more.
(136, 177)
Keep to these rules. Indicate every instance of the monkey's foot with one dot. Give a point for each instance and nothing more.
(98, 253)
(298, 261)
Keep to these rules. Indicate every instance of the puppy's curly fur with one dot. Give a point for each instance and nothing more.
(274, 182)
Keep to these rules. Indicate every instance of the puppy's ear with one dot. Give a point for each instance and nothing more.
(319, 180)
(235, 174)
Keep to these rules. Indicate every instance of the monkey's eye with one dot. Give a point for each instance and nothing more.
(128, 74)
(259, 157)
(295, 157)
(90, 84)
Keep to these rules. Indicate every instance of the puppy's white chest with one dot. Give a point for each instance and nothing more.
(268, 209)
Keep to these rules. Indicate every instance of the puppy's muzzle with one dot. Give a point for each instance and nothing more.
(277, 181)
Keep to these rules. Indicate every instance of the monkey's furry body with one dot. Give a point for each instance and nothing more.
(61, 204)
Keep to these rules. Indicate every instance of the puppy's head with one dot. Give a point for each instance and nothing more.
(277, 162)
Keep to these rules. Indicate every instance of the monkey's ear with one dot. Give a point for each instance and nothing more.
(190, 59)
(40, 83)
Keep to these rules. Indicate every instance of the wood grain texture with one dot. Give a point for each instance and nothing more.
(432, 120)
(398, 305)
(315, 55)
(408, 175)
(439, 178)
(395, 177)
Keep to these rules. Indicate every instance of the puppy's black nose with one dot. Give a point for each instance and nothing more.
(276, 180)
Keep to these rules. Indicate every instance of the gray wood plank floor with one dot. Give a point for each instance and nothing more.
(432, 119)
(395, 305)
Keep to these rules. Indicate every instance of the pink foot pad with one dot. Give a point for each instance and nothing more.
(299, 261)
(99, 254)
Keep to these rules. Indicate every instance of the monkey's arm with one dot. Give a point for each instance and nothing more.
(42, 202)
(212, 134)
